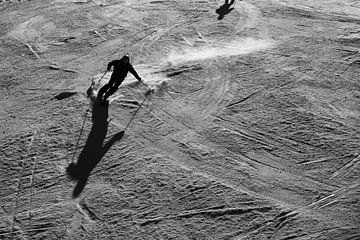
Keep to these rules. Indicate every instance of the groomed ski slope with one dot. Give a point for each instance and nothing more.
(252, 131)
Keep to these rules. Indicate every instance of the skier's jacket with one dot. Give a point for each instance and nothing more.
(121, 68)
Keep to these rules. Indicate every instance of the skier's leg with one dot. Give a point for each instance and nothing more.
(107, 86)
(113, 89)
(103, 90)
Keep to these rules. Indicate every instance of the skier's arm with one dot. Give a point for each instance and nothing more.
(109, 65)
(133, 72)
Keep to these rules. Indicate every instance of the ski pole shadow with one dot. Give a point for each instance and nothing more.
(94, 149)
(224, 9)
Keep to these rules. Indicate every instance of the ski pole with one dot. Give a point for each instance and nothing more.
(146, 85)
(102, 76)
(150, 90)
(135, 113)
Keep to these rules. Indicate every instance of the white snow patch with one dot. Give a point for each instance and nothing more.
(233, 48)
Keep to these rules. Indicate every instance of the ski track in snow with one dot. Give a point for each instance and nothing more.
(221, 169)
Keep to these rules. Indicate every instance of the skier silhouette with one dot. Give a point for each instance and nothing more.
(121, 68)
(224, 9)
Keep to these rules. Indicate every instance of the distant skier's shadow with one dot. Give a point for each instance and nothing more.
(94, 148)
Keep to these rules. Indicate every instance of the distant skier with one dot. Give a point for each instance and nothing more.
(121, 68)
(224, 9)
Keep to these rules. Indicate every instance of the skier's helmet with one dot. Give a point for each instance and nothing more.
(125, 58)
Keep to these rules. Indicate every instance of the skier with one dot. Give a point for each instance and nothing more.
(224, 9)
(121, 68)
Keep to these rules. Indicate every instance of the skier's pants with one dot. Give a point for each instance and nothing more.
(110, 88)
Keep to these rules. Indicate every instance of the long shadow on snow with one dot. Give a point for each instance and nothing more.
(94, 148)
